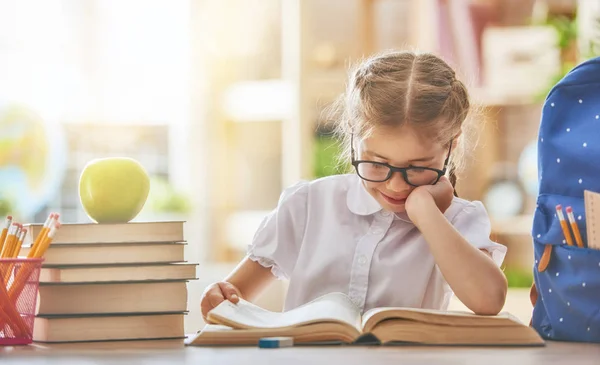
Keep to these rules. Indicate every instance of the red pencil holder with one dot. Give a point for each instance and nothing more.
(19, 283)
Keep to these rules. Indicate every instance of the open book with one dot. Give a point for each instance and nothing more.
(333, 318)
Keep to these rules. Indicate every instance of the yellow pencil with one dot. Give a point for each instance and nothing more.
(574, 227)
(15, 240)
(19, 244)
(11, 241)
(40, 237)
(7, 223)
(8, 243)
(21, 279)
(563, 225)
(47, 241)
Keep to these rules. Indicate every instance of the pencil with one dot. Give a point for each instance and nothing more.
(11, 241)
(7, 223)
(15, 241)
(40, 236)
(21, 279)
(22, 276)
(574, 227)
(44, 246)
(19, 244)
(11, 316)
(8, 243)
(563, 225)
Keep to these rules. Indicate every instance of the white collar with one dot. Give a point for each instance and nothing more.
(360, 202)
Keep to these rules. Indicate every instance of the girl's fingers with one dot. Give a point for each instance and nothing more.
(230, 292)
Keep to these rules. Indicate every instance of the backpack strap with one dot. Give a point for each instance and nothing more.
(542, 265)
(533, 296)
(545, 259)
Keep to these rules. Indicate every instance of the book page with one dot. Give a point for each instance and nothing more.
(330, 307)
(450, 318)
(197, 337)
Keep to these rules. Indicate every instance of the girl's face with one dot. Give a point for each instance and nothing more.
(399, 147)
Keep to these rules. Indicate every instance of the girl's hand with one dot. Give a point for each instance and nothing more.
(441, 193)
(217, 293)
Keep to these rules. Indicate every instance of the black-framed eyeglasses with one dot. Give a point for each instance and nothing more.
(413, 175)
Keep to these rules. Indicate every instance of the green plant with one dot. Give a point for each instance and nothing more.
(164, 198)
(326, 158)
(518, 278)
(566, 29)
(593, 44)
(5, 207)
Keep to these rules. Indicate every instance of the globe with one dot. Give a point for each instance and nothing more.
(528, 169)
(32, 159)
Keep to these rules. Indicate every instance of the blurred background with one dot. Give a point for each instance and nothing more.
(222, 101)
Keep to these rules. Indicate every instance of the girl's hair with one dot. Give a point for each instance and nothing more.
(404, 88)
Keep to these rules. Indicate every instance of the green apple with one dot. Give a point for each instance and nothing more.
(113, 190)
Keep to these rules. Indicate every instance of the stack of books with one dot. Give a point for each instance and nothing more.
(112, 282)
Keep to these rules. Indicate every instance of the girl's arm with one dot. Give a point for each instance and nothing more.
(250, 278)
(277, 241)
(473, 276)
(247, 280)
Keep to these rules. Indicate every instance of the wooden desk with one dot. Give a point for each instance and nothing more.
(554, 353)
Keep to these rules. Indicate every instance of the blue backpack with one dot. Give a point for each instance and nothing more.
(566, 289)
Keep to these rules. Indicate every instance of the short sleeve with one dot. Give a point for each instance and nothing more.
(474, 224)
(276, 243)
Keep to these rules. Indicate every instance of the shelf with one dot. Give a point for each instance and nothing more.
(271, 100)
(258, 101)
(487, 97)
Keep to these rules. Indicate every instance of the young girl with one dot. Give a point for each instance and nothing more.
(393, 233)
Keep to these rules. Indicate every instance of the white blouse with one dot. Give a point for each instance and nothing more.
(331, 235)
